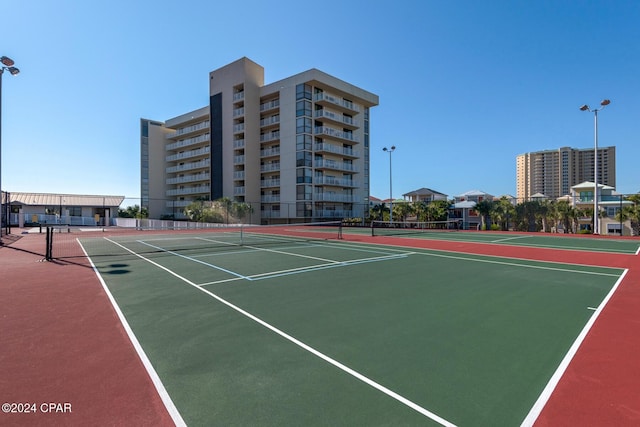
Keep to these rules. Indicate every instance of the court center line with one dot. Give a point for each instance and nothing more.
(508, 238)
(186, 257)
(300, 344)
(284, 252)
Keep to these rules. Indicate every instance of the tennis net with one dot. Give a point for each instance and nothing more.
(62, 242)
(386, 228)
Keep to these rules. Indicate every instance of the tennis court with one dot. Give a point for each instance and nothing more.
(323, 331)
(538, 240)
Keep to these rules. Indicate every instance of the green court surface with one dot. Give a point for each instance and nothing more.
(540, 240)
(336, 333)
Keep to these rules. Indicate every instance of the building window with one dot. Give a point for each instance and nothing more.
(303, 91)
(303, 108)
(303, 125)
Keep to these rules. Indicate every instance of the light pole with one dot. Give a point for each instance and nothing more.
(585, 107)
(390, 150)
(7, 64)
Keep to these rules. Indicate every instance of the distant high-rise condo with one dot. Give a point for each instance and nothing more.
(554, 172)
(295, 150)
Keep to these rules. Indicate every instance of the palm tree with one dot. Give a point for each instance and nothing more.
(502, 211)
(484, 209)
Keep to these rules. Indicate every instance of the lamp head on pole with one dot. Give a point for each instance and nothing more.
(585, 107)
(393, 147)
(605, 102)
(7, 62)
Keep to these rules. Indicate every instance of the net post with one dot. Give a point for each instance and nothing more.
(48, 238)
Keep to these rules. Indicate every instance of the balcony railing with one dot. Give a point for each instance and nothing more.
(337, 117)
(268, 121)
(189, 178)
(238, 191)
(324, 130)
(187, 142)
(336, 100)
(270, 152)
(189, 190)
(332, 164)
(333, 197)
(273, 198)
(327, 180)
(270, 183)
(188, 154)
(188, 129)
(269, 167)
(330, 148)
(266, 137)
(189, 166)
(270, 105)
(238, 96)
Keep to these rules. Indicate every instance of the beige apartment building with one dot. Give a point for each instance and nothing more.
(553, 172)
(296, 150)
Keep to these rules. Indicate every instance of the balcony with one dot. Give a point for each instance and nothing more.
(238, 143)
(328, 180)
(335, 133)
(188, 154)
(189, 166)
(237, 128)
(333, 197)
(237, 160)
(189, 129)
(188, 142)
(326, 213)
(269, 105)
(238, 112)
(341, 119)
(270, 121)
(336, 149)
(270, 167)
(327, 99)
(268, 137)
(189, 190)
(238, 175)
(271, 198)
(332, 164)
(270, 214)
(238, 96)
(268, 152)
(188, 178)
(238, 191)
(269, 183)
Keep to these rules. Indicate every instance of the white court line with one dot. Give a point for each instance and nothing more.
(186, 257)
(298, 270)
(155, 378)
(300, 344)
(507, 238)
(539, 267)
(638, 251)
(555, 378)
(280, 252)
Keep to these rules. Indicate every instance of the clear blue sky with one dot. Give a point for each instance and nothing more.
(464, 86)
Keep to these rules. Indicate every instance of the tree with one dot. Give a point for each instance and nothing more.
(564, 212)
(438, 210)
(133, 212)
(633, 213)
(503, 210)
(484, 209)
